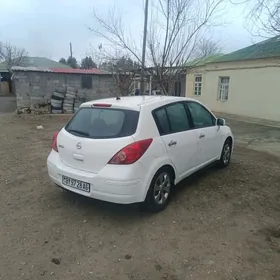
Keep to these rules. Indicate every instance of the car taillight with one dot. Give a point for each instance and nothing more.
(131, 153)
(54, 141)
(105, 105)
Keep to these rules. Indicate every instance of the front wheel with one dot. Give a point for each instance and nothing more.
(158, 195)
(226, 154)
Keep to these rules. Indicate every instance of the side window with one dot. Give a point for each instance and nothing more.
(178, 118)
(162, 121)
(201, 117)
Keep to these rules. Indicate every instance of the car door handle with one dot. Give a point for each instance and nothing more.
(201, 136)
(172, 143)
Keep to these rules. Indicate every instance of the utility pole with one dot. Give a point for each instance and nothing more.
(71, 53)
(144, 47)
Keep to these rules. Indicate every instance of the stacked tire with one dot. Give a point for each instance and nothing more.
(57, 101)
(68, 104)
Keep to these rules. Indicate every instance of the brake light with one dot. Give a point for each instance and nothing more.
(54, 141)
(131, 153)
(101, 105)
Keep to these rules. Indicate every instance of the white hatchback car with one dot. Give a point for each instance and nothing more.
(135, 149)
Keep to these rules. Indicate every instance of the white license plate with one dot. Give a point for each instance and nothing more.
(77, 184)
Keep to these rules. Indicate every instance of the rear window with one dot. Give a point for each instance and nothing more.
(103, 123)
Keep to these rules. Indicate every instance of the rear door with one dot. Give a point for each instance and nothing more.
(181, 143)
(207, 132)
(94, 136)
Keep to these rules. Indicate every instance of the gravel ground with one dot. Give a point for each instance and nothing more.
(221, 224)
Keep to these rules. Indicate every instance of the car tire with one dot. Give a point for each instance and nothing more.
(159, 193)
(226, 154)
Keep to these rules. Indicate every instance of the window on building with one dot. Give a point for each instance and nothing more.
(223, 88)
(86, 81)
(197, 85)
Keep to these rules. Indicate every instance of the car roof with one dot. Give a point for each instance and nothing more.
(136, 102)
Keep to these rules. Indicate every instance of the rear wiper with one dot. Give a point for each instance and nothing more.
(78, 132)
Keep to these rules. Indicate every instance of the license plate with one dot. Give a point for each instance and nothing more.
(77, 184)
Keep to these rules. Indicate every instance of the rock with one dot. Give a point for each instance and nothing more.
(127, 257)
(56, 261)
(52, 273)
(39, 127)
(158, 267)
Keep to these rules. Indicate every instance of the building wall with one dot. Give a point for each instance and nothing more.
(253, 88)
(33, 88)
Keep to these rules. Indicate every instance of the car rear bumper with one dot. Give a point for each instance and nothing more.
(112, 184)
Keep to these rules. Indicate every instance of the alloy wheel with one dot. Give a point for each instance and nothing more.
(162, 188)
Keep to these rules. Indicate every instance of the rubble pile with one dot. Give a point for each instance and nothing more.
(34, 109)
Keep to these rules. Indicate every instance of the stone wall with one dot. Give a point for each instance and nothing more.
(36, 88)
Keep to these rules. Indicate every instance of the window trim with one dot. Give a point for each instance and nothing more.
(219, 88)
(194, 85)
(212, 115)
(164, 107)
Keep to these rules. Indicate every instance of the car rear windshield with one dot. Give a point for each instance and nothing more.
(102, 123)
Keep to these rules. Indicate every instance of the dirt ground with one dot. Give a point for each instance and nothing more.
(221, 224)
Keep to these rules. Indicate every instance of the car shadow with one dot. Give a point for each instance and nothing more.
(132, 211)
(102, 207)
(194, 179)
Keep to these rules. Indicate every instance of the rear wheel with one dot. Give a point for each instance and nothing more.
(159, 193)
(226, 154)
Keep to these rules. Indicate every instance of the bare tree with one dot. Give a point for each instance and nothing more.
(124, 80)
(174, 30)
(206, 47)
(263, 16)
(122, 67)
(12, 55)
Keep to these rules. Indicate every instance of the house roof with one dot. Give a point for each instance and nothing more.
(42, 62)
(94, 71)
(60, 70)
(35, 62)
(266, 49)
(203, 61)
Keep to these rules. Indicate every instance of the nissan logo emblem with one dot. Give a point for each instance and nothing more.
(79, 146)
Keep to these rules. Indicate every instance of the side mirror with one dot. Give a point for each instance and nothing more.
(221, 122)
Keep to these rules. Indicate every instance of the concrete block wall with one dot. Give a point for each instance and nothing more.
(34, 88)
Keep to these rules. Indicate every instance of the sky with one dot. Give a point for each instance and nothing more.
(46, 27)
